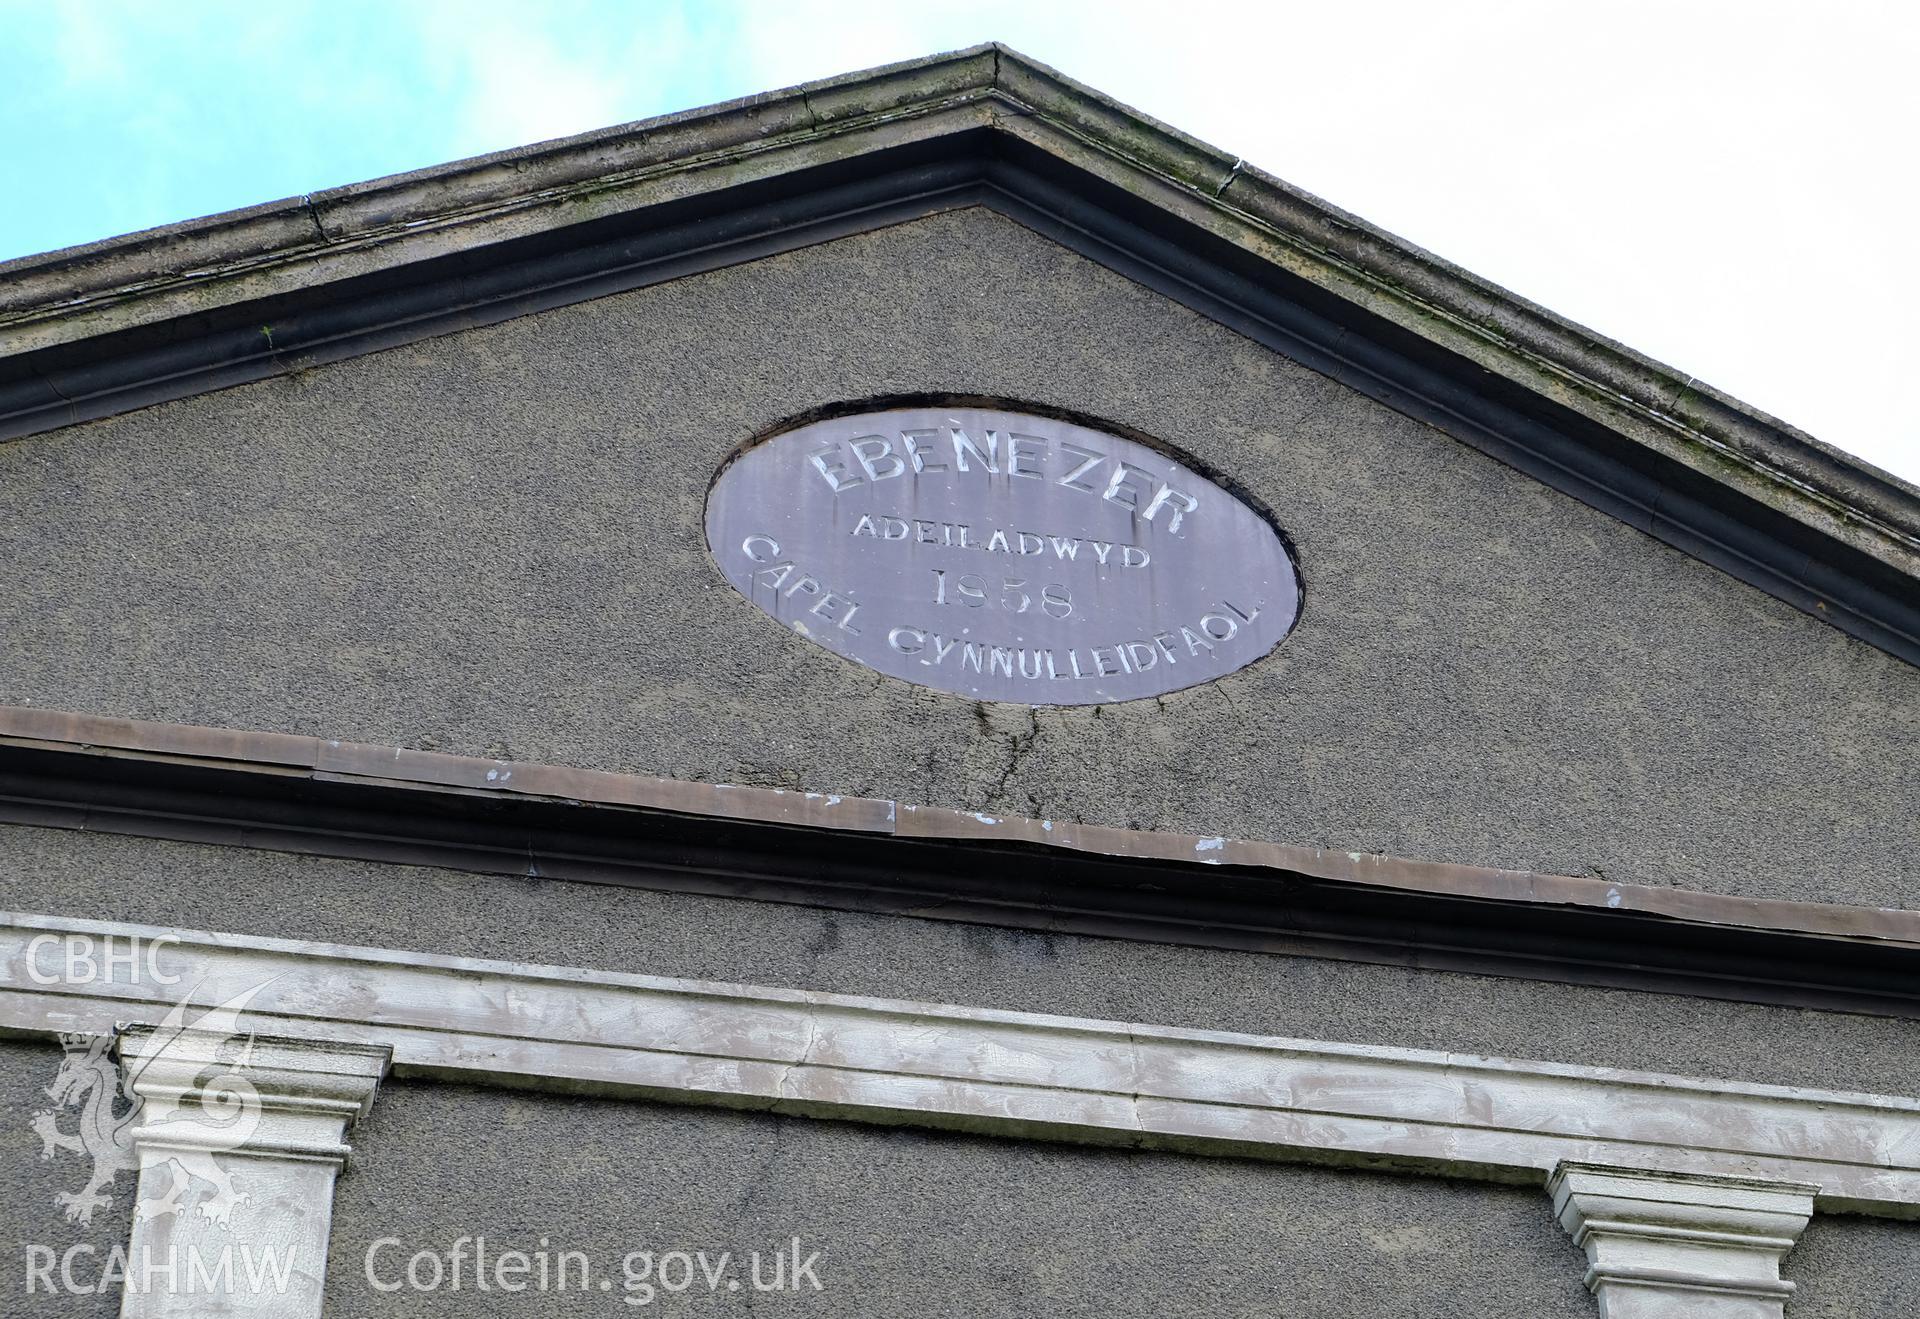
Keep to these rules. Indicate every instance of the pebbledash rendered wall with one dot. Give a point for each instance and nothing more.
(489, 543)
(912, 1222)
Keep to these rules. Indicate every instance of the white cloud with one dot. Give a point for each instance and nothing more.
(507, 75)
(88, 46)
(1724, 186)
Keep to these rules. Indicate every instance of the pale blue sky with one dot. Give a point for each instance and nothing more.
(1728, 185)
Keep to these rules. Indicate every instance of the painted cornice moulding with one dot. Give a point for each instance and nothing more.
(935, 1065)
(85, 332)
(333, 760)
(339, 232)
(314, 796)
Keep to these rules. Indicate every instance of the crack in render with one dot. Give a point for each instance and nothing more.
(780, 1095)
(1232, 174)
(1019, 747)
(313, 213)
(1135, 1099)
(50, 383)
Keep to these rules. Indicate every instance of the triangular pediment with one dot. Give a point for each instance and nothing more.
(101, 329)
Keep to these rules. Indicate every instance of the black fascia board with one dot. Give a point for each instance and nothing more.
(1008, 885)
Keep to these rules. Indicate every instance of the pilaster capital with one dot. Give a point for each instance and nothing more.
(1664, 1245)
(257, 1096)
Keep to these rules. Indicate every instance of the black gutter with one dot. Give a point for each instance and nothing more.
(1003, 884)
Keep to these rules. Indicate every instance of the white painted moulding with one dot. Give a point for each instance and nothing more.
(1661, 1246)
(284, 1108)
(1012, 1073)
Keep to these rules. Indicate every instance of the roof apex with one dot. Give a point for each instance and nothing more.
(60, 299)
